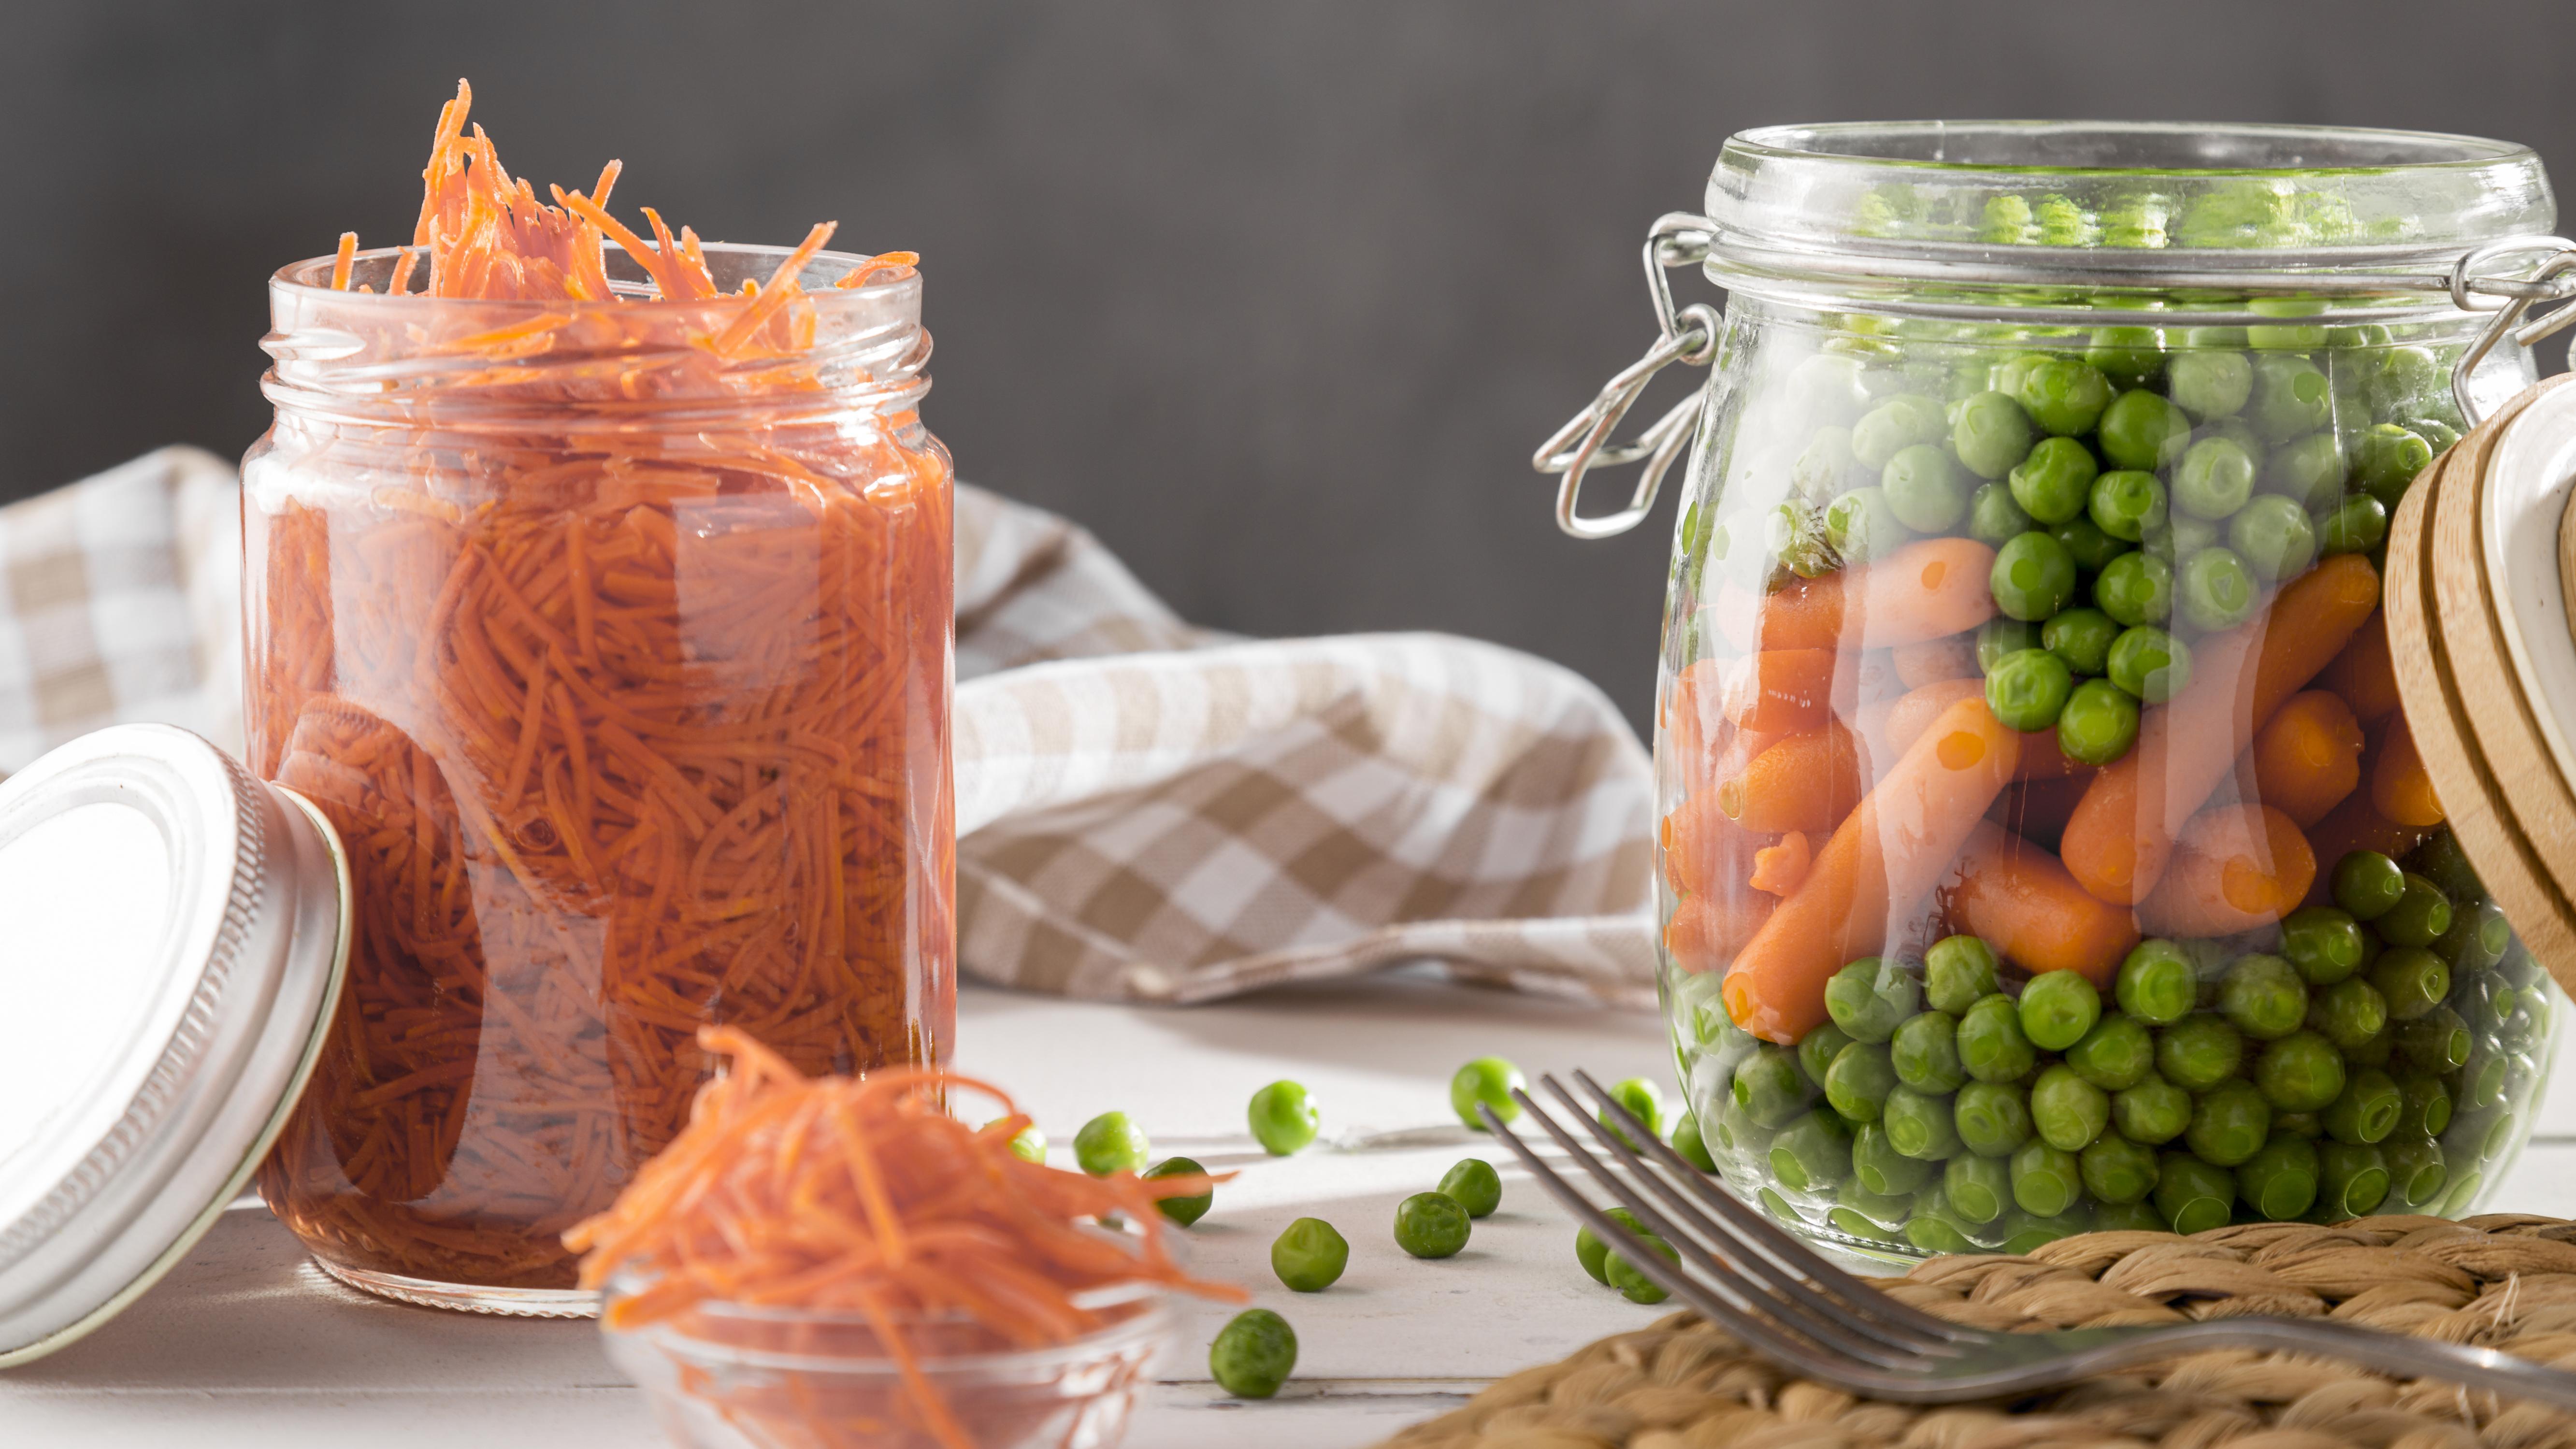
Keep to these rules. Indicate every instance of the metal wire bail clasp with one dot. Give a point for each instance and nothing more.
(1690, 338)
(2475, 279)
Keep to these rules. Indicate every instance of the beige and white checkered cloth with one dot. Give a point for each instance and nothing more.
(1145, 809)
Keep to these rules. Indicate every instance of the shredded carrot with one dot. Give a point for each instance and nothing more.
(342, 260)
(865, 1195)
(626, 727)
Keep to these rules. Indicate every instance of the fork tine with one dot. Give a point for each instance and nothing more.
(1848, 1327)
(1777, 1257)
(1764, 1335)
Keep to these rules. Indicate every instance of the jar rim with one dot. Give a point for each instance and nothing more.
(731, 262)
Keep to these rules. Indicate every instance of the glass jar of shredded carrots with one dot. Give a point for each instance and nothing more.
(2043, 845)
(600, 593)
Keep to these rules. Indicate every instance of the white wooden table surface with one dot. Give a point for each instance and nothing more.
(245, 1346)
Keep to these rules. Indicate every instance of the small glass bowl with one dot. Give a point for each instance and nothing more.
(729, 1376)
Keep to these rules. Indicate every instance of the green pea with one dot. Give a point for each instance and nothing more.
(2150, 664)
(2291, 397)
(1993, 516)
(2386, 460)
(2416, 1169)
(1794, 533)
(2117, 1170)
(2183, 536)
(1028, 1144)
(1901, 422)
(1817, 1050)
(1687, 1141)
(2323, 943)
(1738, 1133)
(1925, 489)
(2420, 917)
(2157, 984)
(2274, 537)
(2216, 590)
(2055, 481)
(2229, 1123)
(1991, 433)
(2367, 884)
(2064, 396)
(1978, 1188)
(1812, 1152)
(2067, 1111)
(2199, 1052)
(1642, 1100)
(1620, 1271)
(2301, 1072)
(2154, 1111)
(1958, 972)
(2193, 1195)
(1870, 998)
(1309, 1255)
(1182, 1210)
(2437, 1042)
(2033, 576)
(2367, 1109)
(2308, 471)
(1825, 467)
(1111, 1142)
(2214, 479)
(1862, 525)
(2128, 1217)
(1879, 1167)
(1879, 1210)
(1925, 1053)
(2088, 545)
(2279, 1180)
(2263, 996)
(1991, 1118)
(2118, 1053)
(1919, 1125)
(1474, 1185)
(2028, 1232)
(2354, 1182)
(2135, 588)
(2027, 688)
(1935, 1235)
(2398, 376)
(2356, 526)
(2309, 1125)
(2141, 430)
(1998, 637)
(1769, 1088)
(1284, 1118)
(2478, 938)
(1253, 1355)
(1589, 1249)
(2128, 503)
(1431, 1225)
(1992, 1045)
(1859, 1081)
(2351, 1013)
(1486, 1082)
(2045, 1180)
(2210, 384)
(2128, 356)
(2413, 980)
(2099, 722)
(2057, 1008)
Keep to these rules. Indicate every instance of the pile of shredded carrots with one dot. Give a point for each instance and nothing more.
(866, 1195)
(628, 726)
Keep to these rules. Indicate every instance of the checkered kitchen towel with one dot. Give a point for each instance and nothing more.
(1145, 810)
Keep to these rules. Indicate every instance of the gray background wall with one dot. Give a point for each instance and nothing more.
(1275, 297)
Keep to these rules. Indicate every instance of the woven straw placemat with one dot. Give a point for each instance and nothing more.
(2504, 1281)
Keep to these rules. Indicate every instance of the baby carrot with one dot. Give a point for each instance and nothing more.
(1886, 856)
(2399, 787)
(1777, 869)
(1780, 689)
(1805, 782)
(2364, 674)
(1704, 851)
(2123, 830)
(2356, 824)
(2236, 867)
(1929, 588)
(2019, 899)
(2309, 757)
(1893, 728)
(1952, 656)
(1707, 930)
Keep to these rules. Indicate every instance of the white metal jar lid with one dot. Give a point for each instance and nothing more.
(172, 938)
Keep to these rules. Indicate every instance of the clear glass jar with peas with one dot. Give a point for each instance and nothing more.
(2042, 845)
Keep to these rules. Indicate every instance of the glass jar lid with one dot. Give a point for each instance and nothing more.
(177, 932)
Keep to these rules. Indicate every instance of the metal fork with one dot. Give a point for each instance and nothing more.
(1748, 1276)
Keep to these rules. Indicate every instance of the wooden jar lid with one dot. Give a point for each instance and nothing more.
(2480, 598)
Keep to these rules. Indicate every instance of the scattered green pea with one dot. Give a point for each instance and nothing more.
(1182, 1210)
(1475, 1186)
(1028, 1144)
(1284, 1118)
(1592, 1252)
(1641, 1099)
(1486, 1082)
(1687, 1141)
(1621, 1273)
(1431, 1225)
(1111, 1142)
(1253, 1354)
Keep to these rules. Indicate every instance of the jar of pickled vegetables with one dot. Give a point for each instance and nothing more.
(2044, 847)
(613, 635)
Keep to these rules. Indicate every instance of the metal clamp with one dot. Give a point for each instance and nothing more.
(2514, 298)
(1689, 337)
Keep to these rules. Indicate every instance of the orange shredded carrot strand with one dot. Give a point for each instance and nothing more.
(341, 261)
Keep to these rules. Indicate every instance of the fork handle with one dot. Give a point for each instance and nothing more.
(2400, 1355)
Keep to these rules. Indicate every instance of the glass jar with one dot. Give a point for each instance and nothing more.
(2043, 847)
(617, 646)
